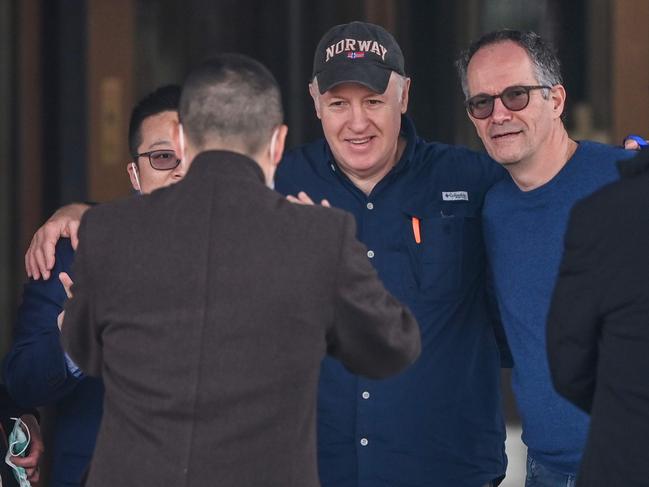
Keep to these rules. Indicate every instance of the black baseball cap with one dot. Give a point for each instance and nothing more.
(357, 52)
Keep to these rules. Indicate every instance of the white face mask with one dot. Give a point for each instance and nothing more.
(18, 443)
(137, 178)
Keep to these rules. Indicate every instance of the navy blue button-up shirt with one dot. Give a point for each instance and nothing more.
(438, 423)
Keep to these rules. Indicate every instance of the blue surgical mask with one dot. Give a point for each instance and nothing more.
(18, 443)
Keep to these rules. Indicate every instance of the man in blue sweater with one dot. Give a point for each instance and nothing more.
(515, 99)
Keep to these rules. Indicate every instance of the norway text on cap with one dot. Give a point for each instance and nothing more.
(355, 45)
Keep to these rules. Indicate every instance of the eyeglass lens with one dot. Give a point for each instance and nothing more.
(515, 98)
(163, 160)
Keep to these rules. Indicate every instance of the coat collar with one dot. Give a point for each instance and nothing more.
(225, 164)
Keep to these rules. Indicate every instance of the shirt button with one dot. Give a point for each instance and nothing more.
(365, 395)
(370, 254)
(370, 206)
(364, 442)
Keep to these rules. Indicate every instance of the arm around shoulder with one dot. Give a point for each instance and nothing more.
(40, 256)
(35, 369)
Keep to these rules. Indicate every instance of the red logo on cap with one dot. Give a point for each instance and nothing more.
(355, 55)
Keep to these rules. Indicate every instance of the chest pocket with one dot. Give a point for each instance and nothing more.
(440, 261)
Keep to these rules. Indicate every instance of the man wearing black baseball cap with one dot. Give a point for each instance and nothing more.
(359, 53)
(417, 207)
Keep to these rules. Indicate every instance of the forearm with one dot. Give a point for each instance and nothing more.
(35, 369)
(36, 373)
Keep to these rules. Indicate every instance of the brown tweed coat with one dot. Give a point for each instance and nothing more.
(206, 307)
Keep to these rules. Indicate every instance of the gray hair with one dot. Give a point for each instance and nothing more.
(546, 64)
(230, 99)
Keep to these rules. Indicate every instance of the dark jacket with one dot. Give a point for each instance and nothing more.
(598, 326)
(36, 375)
(207, 308)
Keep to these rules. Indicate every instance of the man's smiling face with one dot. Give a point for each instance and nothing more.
(510, 137)
(362, 126)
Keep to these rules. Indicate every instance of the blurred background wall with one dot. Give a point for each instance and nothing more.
(71, 70)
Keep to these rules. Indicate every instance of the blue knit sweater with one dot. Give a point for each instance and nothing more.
(524, 236)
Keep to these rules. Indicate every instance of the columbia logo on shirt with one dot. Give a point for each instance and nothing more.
(455, 195)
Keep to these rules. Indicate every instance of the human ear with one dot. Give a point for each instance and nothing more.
(280, 139)
(313, 91)
(404, 95)
(558, 97)
(132, 170)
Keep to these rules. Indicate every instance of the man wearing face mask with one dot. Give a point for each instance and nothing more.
(36, 370)
(207, 306)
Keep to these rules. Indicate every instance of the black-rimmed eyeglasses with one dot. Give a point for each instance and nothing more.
(161, 160)
(515, 98)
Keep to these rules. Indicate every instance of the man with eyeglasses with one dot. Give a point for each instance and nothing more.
(36, 370)
(515, 99)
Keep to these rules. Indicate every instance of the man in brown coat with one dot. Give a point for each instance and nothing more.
(207, 307)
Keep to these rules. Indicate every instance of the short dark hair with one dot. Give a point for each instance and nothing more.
(164, 99)
(230, 98)
(543, 56)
